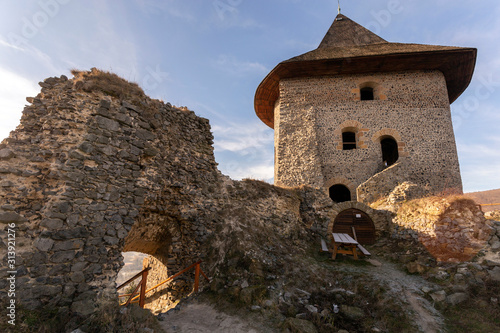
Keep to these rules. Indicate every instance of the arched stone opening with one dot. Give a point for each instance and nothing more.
(350, 221)
(339, 193)
(390, 153)
(161, 236)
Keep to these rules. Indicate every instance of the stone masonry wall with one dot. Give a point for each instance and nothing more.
(91, 173)
(411, 107)
(96, 168)
(451, 228)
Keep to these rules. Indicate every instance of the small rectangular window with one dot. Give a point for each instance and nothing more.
(348, 140)
(366, 94)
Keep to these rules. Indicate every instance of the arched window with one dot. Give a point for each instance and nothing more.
(389, 150)
(339, 193)
(366, 94)
(348, 140)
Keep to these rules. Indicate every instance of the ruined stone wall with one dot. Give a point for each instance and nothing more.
(411, 107)
(91, 173)
(96, 168)
(451, 228)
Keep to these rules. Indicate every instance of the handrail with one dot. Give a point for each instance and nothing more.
(142, 284)
(196, 278)
(132, 278)
(494, 204)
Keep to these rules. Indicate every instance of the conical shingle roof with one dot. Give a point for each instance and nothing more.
(348, 48)
(344, 32)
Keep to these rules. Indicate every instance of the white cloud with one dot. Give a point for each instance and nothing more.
(13, 92)
(168, 7)
(241, 138)
(233, 66)
(7, 44)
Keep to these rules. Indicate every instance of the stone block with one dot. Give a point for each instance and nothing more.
(299, 325)
(62, 256)
(43, 244)
(439, 296)
(11, 217)
(457, 298)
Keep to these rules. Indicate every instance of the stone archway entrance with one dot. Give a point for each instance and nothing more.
(357, 219)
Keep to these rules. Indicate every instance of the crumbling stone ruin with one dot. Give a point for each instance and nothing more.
(346, 112)
(96, 168)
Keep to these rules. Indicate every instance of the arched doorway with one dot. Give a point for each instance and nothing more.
(389, 150)
(357, 219)
(339, 193)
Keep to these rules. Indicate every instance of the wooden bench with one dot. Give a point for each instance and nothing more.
(363, 250)
(324, 247)
(360, 247)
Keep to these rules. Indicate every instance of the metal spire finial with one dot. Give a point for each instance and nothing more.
(339, 5)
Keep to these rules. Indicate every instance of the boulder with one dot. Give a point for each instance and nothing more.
(495, 273)
(295, 325)
(457, 298)
(439, 296)
(352, 313)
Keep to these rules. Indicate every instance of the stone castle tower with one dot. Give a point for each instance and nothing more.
(359, 111)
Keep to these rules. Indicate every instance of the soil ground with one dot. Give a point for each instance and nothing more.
(200, 316)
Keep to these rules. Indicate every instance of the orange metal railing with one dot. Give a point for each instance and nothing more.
(141, 296)
(142, 285)
(494, 204)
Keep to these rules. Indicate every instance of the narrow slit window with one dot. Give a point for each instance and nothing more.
(348, 140)
(366, 94)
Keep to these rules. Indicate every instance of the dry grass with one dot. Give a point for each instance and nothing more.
(107, 83)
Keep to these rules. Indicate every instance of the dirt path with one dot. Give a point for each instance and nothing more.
(197, 317)
(409, 289)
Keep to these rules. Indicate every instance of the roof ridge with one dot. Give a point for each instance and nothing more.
(345, 32)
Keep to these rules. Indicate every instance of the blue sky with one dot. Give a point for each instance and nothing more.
(210, 55)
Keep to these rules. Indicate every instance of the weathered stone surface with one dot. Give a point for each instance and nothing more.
(416, 267)
(299, 325)
(43, 244)
(457, 298)
(52, 224)
(62, 256)
(11, 217)
(84, 307)
(6, 154)
(495, 273)
(439, 296)
(352, 313)
(311, 308)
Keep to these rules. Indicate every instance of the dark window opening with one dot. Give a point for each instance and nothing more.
(367, 94)
(389, 151)
(348, 140)
(339, 193)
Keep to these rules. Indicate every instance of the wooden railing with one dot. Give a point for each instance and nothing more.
(197, 272)
(494, 204)
(141, 284)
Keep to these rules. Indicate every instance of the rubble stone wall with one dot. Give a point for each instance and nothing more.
(451, 228)
(86, 176)
(96, 168)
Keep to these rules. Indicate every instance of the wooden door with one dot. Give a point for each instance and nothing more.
(362, 223)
